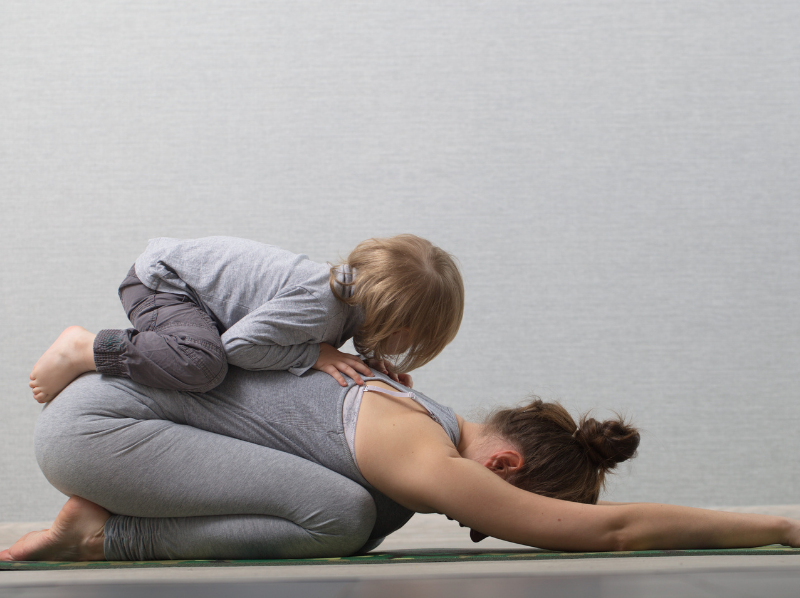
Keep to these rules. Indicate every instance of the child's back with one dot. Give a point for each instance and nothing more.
(199, 305)
(263, 299)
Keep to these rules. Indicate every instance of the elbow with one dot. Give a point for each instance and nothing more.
(621, 537)
(246, 356)
(627, 538)
(619, 541)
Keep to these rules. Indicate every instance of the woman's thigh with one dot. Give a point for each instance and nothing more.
(101, 441)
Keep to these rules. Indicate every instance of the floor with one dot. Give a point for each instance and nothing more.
(701, 576)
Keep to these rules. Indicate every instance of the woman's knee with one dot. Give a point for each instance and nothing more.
(349, 530)
(61, 445)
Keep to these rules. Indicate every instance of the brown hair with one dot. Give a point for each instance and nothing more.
(562, 459)
(404, 282)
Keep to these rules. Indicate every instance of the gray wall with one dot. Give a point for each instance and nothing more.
(619, 180)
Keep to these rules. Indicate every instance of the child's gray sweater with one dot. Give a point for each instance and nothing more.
(272, 306)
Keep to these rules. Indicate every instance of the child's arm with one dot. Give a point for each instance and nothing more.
(285, 334)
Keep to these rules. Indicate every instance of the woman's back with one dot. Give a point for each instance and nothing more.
(301, 416)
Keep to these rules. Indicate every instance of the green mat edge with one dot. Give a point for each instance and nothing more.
(394, 557)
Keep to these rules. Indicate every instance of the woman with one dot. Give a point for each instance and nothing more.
(269, 465)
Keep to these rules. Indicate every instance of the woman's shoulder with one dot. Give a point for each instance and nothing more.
(398, 445)
(389, 420)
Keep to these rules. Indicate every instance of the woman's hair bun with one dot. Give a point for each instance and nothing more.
(609, 442)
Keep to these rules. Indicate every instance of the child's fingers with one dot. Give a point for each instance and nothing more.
(355, 362)
(346, 369)
(332, 371)
(406, 380)
(361, 367)
(378, 364)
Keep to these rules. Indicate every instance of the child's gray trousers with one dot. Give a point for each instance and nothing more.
(173, 344)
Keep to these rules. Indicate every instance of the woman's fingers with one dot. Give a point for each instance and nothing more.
(476, 536)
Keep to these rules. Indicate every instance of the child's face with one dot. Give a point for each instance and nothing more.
(399, 342)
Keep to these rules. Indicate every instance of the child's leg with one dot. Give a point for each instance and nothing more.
(66, 359)
(174, 344)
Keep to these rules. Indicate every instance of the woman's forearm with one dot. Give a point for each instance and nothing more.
(649, 526)
(646, 526)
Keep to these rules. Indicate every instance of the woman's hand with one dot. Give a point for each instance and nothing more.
(334, 362)
(383, 367)
(474, 535)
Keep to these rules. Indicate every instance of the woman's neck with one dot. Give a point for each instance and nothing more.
(471, 436)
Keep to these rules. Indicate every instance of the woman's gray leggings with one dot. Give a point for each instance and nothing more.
(180, 492)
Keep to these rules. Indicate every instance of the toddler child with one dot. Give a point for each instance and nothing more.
(198, 305)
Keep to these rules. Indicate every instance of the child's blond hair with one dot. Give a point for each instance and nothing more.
(404, 282)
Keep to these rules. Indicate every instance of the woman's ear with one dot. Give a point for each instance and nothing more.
(504, 463)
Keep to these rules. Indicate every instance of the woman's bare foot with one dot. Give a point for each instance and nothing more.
(66, 359)
(77, 534)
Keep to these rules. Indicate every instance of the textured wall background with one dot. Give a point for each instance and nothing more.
(619, 180)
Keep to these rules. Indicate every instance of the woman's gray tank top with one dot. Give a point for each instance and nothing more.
(303, 416)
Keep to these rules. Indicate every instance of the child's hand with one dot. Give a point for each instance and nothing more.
(332, 361)
(405, 380)
(380, 365)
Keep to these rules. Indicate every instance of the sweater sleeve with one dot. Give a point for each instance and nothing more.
(282, 334)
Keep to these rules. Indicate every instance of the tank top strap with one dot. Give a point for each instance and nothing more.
(393, 393)
(397, 393)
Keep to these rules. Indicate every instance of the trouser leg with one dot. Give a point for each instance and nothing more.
(178, 492)
(236, 501)
(173, 344)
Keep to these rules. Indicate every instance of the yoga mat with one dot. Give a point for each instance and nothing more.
(399, 556)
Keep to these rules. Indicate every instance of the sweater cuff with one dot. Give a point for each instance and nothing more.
(309, 359)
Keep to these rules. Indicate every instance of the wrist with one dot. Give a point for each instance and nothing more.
(312, 359)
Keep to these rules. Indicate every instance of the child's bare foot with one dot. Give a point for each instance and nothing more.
(66, 359)
(77, 535)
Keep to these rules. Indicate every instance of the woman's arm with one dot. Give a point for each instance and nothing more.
(480, 499)
(407, 456)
